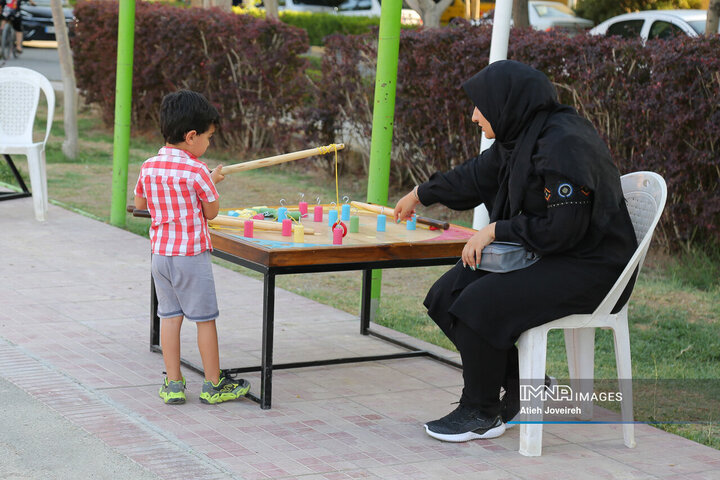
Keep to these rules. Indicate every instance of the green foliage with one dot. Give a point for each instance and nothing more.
(320, 25)
(697, 268)
(6, 175)
(600, 10)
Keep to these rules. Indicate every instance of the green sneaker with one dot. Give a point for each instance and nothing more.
(226, 389)
(173, 391)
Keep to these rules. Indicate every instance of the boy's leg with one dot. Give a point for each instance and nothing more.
(218, 386)
(172, 390)
(170, 343)
(208, 345)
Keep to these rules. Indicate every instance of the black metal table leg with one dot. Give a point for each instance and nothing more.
(154, 319)
(267, 340)
(366, 295)
(24, 190)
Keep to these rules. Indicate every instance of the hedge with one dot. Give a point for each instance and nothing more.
(319, 25)
(657, 106)
(250, 68)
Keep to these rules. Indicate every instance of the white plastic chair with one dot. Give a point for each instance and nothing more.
(645, 193)
(19, 97)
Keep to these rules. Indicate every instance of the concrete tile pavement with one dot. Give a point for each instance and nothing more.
(74, 336)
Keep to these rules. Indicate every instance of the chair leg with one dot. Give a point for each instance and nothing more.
(532, 351)
(38, 182)
(623, 361)
(580, 350)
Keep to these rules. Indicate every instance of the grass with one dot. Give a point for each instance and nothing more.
(674, 310)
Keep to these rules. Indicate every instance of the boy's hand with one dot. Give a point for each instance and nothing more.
(217, 175)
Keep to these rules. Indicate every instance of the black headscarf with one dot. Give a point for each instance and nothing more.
(536, 134)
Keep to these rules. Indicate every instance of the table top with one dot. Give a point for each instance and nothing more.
(272, 249)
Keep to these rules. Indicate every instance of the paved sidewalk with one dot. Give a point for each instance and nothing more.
(74, 360)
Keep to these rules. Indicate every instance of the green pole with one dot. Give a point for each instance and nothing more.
(383, 115)
(123, 105)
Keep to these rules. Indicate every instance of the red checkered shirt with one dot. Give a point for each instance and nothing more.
(175, 184)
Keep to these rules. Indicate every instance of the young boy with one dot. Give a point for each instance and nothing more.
(179, 191)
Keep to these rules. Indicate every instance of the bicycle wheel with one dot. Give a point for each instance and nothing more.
(2, 43)
(7, 47)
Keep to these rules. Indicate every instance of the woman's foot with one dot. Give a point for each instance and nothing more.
(463, 424)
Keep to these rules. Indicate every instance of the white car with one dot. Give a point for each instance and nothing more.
(652, 24)
(548, 15)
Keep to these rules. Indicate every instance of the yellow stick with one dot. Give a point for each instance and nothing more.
(277, 159)
(228, 221)
(390, 212)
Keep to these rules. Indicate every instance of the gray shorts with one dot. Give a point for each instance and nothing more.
(185, 286)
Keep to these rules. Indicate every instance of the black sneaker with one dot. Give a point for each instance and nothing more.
(463, 424)
(510, 407)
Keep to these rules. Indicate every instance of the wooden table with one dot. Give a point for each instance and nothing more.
(271, 254)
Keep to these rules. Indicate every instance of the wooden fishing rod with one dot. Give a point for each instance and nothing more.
(285, 157)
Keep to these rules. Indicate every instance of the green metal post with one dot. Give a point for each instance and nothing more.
(383, 117)
(123, 106)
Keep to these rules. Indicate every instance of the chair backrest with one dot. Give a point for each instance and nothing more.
(645, 194)
(19, 96)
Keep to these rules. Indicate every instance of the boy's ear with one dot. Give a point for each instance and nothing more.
(190, 136)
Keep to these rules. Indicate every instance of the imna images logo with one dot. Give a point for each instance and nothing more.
(565, 393)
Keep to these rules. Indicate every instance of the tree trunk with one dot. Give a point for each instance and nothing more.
(429, 11)
(431, 19)
(713, 18)
(224, 5)
(520, 14)
(67, 71)
(271, 9)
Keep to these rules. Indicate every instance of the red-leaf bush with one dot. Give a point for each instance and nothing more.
(657, 106)
(249, 68)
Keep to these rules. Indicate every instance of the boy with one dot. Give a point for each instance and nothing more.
(179, 191)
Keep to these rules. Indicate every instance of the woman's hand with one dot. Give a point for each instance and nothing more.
(406, 206)
(472, 250)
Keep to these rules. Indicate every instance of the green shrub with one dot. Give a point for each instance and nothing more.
(320, 25)
(251, 69)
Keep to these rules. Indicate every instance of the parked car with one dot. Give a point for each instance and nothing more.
(457, 10)
(548, 15)
(652, 24)
(38, 23)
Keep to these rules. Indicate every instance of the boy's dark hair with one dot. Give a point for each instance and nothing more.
(183, 111)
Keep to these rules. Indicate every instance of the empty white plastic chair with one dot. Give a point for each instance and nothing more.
(19, 97)
(645, 193)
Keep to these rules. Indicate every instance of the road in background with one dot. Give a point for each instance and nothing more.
(41, 57)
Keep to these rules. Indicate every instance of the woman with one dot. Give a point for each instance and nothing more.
(550, 184)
